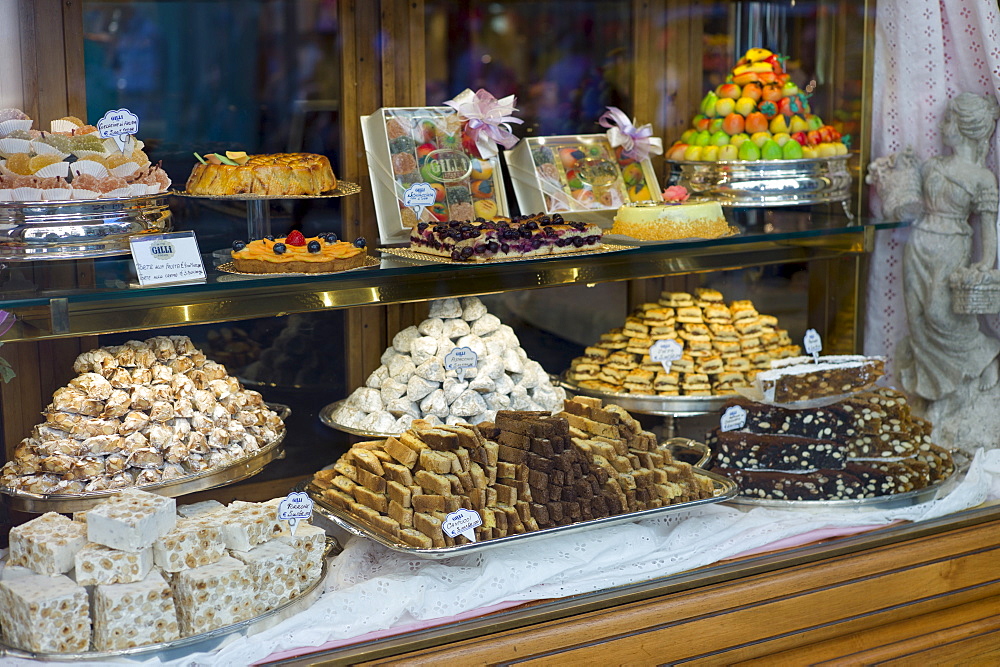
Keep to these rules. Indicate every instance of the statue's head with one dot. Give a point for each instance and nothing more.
(971, 118)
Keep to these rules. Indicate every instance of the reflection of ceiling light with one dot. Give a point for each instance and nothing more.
(486, 59)
(500, 24)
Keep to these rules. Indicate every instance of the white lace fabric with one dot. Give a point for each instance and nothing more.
(371, 588)
(926, 52)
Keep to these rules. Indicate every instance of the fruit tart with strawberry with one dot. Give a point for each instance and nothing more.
(296, 253)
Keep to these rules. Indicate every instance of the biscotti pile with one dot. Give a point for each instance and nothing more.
(413, 383)
(865, 446)
(135, 570)
(724, 348)
(525, 472)
(140, 413)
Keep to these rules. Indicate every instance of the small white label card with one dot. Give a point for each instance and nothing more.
(119, 125)
(813, 344)
(462, 522)
(295, 507)
(418, 197)
(666, 352)
(459, 359)
(164, 259)
(733, 419)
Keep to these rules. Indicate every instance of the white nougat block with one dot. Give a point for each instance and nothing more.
(273, 567)
(194, 509)
(309, 544)
(9, 572)
(47, 544)
(213, 596)
(192, 543)
(45, 613)
(134, 614)
(131, 520)
(245, 525)
(98, 564)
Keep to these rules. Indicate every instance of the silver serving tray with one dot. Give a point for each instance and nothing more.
(766, 182)
(343, 189)
(78, 228)
(724, 490)
(646, 404)
(248, 466)
(326, 416)
(933, 491)
(208, 641)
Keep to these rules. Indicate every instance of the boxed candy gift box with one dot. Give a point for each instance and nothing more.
(410, 146)
(583, 174)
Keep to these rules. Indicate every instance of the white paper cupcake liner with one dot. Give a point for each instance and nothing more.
(53, 170)
(80, 193)
(5, 194)
(41, 148)
(89, 167)
(136, 189)
(57, 194)
(26, 194)
(83, 154)
(125, 169)
(63, 125)
(117, 192)
(9, 126)
(10, 146)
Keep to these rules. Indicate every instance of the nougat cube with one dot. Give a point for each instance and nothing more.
(47, 544)
(192, 543)
(134, 614)
(8, 572)
(98, 564)
(45, 613)
(213, 596)
(309, 544)
(194, 509)
(131, 520)
(274, 569)
(245, 525)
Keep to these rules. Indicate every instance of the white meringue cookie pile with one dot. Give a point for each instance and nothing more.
(412, 382)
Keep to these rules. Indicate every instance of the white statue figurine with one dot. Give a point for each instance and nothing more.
(948, 359)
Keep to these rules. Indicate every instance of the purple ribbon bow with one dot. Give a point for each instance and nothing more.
(7, 320)
(487, 120)
(637, 143)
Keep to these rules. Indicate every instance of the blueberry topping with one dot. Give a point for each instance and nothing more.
(360, 242)
(591, 240)
(279, 248)
(525, 233)
(548, 230)
(561, 243)
(421, 226)
(532, 225)
(480, 249)
(466, 252)
(536, 244)
(456, 255)
(269, 237)
(578, 241)
(558, 219)
(239, 245)
(504, 248)
(313, 246)
(493, 246)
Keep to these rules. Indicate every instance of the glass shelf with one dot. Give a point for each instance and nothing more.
(102, 296)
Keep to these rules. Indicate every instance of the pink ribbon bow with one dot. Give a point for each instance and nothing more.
(487, 120)
(637, 143)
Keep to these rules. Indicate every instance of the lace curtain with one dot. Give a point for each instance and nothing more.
(926, 52)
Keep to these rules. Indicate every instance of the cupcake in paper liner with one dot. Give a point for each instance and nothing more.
(12, 120)
(21, 188)
(56, 189)
(66, 124)
(18, 164)
(49, 166)
(11, 146)
(88, 186)
(154, 178)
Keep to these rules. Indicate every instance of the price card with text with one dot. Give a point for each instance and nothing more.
(462, 522)
(120, 125)
(295, 507)
(460, 359)
(666, 352)
(733, 419)
(813, 344)
(166, 259)
(418, 197)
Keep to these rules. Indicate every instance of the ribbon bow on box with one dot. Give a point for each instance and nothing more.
(637, 143)
(487, 120)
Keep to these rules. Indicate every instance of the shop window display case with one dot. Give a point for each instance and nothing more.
(296, 75)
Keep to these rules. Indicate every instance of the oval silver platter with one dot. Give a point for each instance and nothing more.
(879, 503)
(661, 406)
(326, 416)
(78, 228)
(207, 641)
(248, 466)
(766, 182)
(724, 490)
